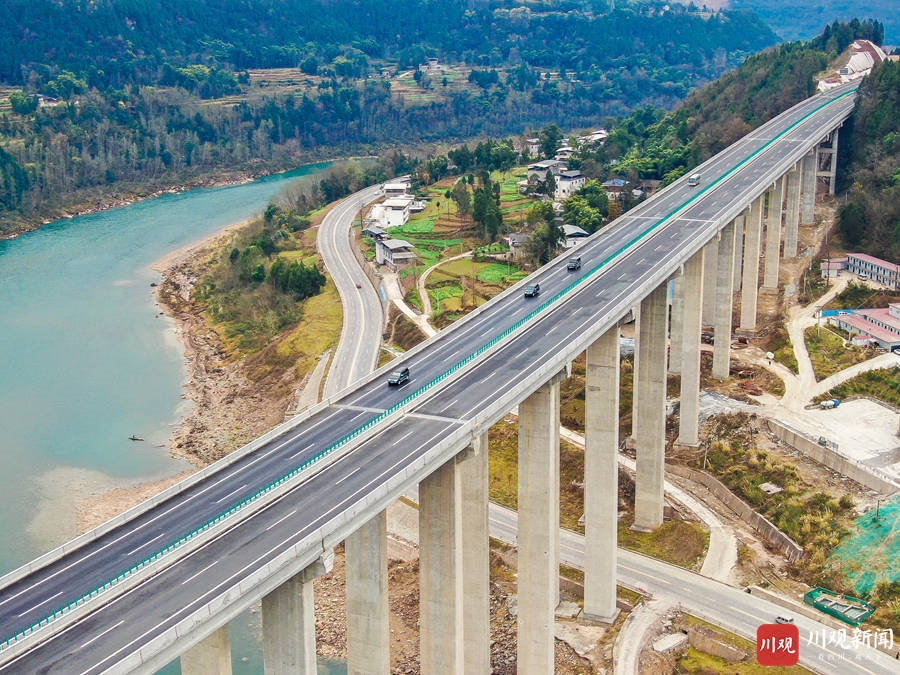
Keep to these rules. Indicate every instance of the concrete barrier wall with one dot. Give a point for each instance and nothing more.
(791, 549)
(810, 447)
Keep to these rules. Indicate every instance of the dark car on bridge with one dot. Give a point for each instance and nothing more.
(532, 290)
(399, 377)
(574, 264)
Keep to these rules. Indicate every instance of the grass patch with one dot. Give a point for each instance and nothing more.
(828, 353)
(676, 541)
(883, 384)
(695, 661)
(779, 343)
(443, 293)
(414, 227)
(858, 296)
(495, 273)
(814, 519)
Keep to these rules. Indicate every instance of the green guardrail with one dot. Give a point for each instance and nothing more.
(189, 536)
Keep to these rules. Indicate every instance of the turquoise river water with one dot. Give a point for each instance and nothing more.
(88, 360)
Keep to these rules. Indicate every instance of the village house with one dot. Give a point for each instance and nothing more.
(391, 212)
(878, 270)
(398, 189)
(574, 235)
(568, 182)
(831, 267)
(373, 230)
(540, 169)
(394, 253)
(614, 187)
(879, 327)
(516, 242)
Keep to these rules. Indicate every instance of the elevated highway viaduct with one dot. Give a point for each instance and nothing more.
(162, 580)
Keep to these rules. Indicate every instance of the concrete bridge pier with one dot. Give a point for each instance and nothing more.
(289, 622)
(601, 477)
(695, 271)
(827, 154)
(676, 327)
(650, 397)
(368, 628)
(727, 255)
(750, 282)
(709, 282)
(808, 189)
(738, 251)
(538, 539)
(210, 656)
(476, 558)
(440, 571)
(792, 213)
(773, 234)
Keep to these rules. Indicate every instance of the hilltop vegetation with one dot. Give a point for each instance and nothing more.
(801, 19)
(870, 219)
(107, 100)
(655, 144)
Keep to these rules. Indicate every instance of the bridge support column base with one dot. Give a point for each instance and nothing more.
(685, 445)
(211, 656)
(596, 620)
(289, 622)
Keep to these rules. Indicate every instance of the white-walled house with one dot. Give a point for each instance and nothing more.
(574, 235)
(876, 269)
(568, 182)
(540, 169)
(396, 189)
(391, 212)
(393, 252)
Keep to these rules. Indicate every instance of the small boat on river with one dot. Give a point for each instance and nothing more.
(135, 438)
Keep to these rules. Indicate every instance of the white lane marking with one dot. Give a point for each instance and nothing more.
(622, 276)
(194, 576)
(233, 492)
(403, 437)
(341, 480)
(650, 576)
(301, 451)
(40, 603)
(752, 616)
(137, 548)
(283, 518)
(449, 405)
(97, 637)
(254, 563)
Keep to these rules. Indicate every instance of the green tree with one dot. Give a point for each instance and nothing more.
(550, 137)
(460, 195)
(22, 103)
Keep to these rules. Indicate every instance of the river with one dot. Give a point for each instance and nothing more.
(89, 360)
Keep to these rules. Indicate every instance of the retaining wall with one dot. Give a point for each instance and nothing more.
(791, 549)
(845, 466)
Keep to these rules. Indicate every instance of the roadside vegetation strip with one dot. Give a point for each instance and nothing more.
(484, 348)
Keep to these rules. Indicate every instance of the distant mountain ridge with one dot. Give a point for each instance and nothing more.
(124, 97)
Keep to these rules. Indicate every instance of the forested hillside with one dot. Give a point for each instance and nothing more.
(870, 219)
(802, 20)
(115, 98)
(655, 144)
